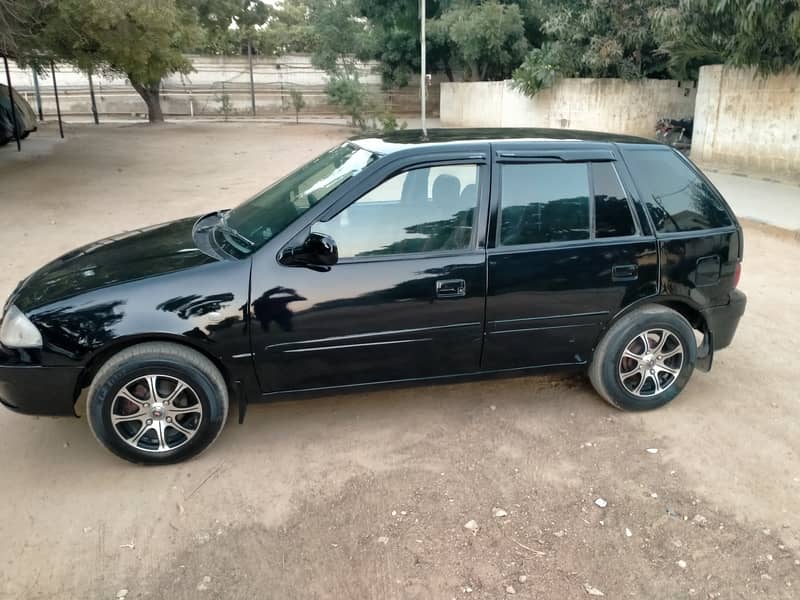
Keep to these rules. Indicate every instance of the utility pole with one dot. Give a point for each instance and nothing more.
(423, 70)
(13, 106)
(94, 103)
(252, 83)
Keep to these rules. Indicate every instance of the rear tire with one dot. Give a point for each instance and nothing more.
(645, 359)
(157, 403)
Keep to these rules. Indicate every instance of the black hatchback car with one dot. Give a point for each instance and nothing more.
(466, 254)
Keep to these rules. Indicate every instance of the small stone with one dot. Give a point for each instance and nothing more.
(499, 512)
(122, 593)
(700, 520)
(766, 531)
(467, 589)
(203, 585)
(394, 513)
(472, 525)
(402, 512)
(766, 577)
(522, 578)
(493, 407)
(628, 532)
(66, 444)
(797, 562)
(769, 556)
(601, 503)
(681, 564)
(652, 450)
(653, 495)
(592, 591)
(559, 533)
(510, 589)
(383, 540)
(87, 530)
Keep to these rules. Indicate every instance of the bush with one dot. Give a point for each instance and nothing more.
(352, 98)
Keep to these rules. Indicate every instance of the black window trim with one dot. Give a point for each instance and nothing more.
(592, 239)
(477, 159)
(631, 205)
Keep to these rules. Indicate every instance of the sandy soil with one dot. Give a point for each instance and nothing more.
(366, 495)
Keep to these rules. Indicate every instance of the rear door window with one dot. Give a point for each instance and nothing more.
(676, 197)
(543, 203)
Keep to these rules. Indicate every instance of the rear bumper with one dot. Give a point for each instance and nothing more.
(723, 320)
(38, 390)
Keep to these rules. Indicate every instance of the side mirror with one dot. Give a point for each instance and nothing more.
(318, 252)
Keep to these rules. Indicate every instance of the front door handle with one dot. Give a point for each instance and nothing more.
(451, 288)
(624, 272)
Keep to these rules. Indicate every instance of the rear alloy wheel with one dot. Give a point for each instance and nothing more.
(157, 403)
(645, 359)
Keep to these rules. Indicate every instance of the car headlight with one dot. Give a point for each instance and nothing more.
(16, 330)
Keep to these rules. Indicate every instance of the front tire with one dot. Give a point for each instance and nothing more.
(157, 403)
(645, 359)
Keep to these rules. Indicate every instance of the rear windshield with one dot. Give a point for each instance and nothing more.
(676, 197)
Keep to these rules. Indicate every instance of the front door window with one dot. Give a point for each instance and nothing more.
(430, 209)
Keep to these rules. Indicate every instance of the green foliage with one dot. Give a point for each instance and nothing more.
(352, 98)
(225, 105)
(20, 20)
(389, 123)
(298, 102)
(342, 38)
(486, 40)
(271, 29)
(594, 38)
(745, 33)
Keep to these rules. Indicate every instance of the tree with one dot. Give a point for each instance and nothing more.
(142, 40)
(745, 33)
(595, 38)
(19, 22)
(487, 40)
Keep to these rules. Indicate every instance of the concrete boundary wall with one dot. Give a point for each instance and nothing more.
(745, 122)
(613, 105)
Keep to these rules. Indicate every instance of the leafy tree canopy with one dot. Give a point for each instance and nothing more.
(745, 33)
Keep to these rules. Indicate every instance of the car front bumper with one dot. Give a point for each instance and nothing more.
(35, 389)
(723, 320)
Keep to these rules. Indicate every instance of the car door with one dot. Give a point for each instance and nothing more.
(567, 252)
(406, 299)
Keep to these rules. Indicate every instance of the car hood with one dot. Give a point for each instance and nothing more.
(133, 255)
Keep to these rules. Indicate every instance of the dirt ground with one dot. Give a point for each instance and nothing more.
(366, 495)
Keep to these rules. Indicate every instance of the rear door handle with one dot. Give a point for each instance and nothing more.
(451, 288)
(624, 272)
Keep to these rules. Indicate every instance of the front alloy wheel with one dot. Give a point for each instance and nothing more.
(157, 403)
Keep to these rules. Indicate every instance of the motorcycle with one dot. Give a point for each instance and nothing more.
(675, 132)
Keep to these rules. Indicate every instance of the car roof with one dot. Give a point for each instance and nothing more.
(408, 138)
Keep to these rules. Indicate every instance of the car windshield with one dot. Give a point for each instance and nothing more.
(257, 220)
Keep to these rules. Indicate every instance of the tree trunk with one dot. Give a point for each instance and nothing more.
(449, 72)
(150, 95)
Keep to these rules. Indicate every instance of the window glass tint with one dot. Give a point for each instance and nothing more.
(678, 200)
(423, 210)
(612, 213)
(544, 203)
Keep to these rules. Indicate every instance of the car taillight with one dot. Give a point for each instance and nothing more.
(737, 274)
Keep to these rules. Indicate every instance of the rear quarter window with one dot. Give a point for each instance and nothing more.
(676, 197)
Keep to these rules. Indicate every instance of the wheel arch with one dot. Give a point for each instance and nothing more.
(685, 307)
(99, 357)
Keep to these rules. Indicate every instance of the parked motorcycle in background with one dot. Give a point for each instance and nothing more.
(675, 132)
